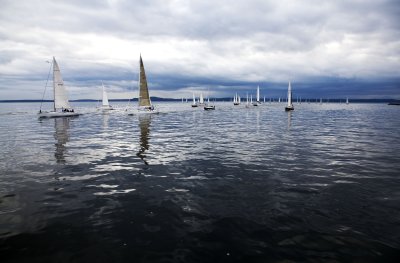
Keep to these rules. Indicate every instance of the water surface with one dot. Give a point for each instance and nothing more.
(231, 185)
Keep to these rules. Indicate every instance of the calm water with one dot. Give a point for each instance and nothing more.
(321, 183)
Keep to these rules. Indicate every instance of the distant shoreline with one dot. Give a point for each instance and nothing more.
(216, 99)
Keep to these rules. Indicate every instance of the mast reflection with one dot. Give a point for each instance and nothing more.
(61, 135)
(144, 124)
(289, 120)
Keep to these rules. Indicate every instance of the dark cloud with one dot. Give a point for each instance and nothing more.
(197, 44)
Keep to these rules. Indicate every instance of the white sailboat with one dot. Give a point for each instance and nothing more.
(289, 106)
(258, 97)
(61, 107)
(194, 101)
(105, 104)
(208, 106)
(144, 101)
(236, 100)
(247, 100)
(347, 100)
(201, 100)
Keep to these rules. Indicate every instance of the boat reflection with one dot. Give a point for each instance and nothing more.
(144, 124)
(289, 120)
(106, 117)
(61, 127)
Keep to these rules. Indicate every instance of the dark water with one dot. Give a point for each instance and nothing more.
(320, 184)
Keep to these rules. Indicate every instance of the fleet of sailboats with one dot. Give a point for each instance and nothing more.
(61, 106)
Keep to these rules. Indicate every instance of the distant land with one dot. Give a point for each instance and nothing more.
(304, 100)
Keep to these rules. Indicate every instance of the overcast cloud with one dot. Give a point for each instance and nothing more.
(327, 48)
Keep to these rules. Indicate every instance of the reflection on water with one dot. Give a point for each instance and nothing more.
(106, 117)
(61, 128)
(144, 125)
(200, 187)
(289, 119)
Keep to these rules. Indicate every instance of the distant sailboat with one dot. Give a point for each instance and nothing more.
(194, 102)
(208, 106)
(105, 104)
(144, 101)
(201, 100)
(347, 100)
(258, 97)
(236, 100)
(61, 107)
(289, 106)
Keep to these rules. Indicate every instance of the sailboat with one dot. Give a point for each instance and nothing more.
(247, 100)
(207, 106)
(201, 100)
(61, 107)
(289, 106)
(144, 101)
(194, 102)
(105, 104)
(236, 100)
(258, 97)
(347, 100)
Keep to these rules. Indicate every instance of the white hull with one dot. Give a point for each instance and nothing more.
(54, 114)
(106, 108)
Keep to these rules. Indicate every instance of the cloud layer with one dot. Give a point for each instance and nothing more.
(225, 46)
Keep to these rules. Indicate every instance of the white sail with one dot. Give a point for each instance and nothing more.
(347, 100)
(258, 93)
(201, 101)
(289, 102)
(60, 93)
(194, 99)
(105, 98)
(239, 99)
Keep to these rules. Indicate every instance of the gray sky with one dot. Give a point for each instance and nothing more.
(326, 48)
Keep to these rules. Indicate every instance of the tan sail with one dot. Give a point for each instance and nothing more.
(144, 98)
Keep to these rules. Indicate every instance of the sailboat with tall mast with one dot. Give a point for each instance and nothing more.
(105, 104)
(236, 99)
(258, 97)
(289, 106)
(208, 106)
(144, 101)
(194, 104)
(61, 106)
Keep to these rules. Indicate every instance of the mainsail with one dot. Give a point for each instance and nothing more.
(289, 94)
(144, 98)
(60, 93)
(105, 98)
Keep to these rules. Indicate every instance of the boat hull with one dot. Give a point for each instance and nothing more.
(209, 108)
(54, 114)
(106, 108)
(289, 108)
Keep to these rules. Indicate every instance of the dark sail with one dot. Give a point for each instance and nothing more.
(144, 98)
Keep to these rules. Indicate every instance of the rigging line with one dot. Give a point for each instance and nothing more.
(48, 76)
